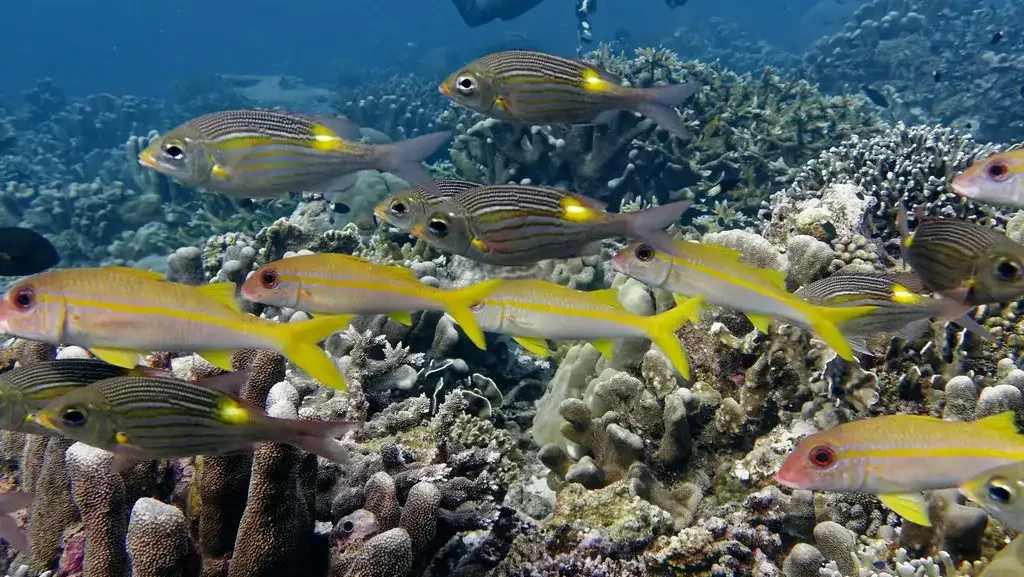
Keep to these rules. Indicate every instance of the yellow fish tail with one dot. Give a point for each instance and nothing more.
(299, 343)
(825, 322)
(459, 305)
(661, 329)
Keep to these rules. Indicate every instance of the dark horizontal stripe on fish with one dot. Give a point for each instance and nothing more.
(513, 61)
(840, 287)
(51, 379)
(967, 238)
(271, 122)
(511, 198)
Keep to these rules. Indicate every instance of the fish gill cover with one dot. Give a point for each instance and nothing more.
(514, 421)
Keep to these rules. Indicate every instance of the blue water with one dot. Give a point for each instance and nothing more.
(130, 47)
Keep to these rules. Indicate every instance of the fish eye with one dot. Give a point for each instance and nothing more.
(822, 456)
(398, 208)
(438, 227)
(73, 417)
(465, 84)
(23, 298)
(1007, 270)
(997, 171)
(999, 491)
(348, 526)
(174, 151)
(269, 278)
(644, 253)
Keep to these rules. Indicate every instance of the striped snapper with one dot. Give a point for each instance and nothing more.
(28, 388)
(118, 313)
(533, 311)
(998, 179)
(527, 87)
(404, 209)
(963, 261)
(897, 456)
(902, 309)
(1001, 492)
(339, 283)
(718, 274)
(265, 153)
(511, 224)
(168, 418)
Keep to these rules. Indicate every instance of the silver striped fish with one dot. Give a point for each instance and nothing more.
(28, 388)
(404, 209)
(513, 224)
(964, 261)
(167, 418)
(901, 308)
(528, 87)
(266, 153)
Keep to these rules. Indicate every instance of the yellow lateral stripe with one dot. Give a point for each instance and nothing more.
(242, 320)
(393, 286)
(935, 453)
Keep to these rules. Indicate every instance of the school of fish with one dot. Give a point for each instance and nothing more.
(121, 314)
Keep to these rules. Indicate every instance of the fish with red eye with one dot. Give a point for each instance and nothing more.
(822, 456)
(998, 179)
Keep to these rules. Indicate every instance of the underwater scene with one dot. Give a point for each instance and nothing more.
(512, 288)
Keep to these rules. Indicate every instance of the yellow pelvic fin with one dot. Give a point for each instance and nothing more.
(761, 322)
(219, 359)
(119, 357)
(459, 305)
(298, 341)
(222, 292)
(402, 318)
(536, 346)
(1004, 423)
(910, 506)
(604, 346)
(697, 309)
(661, 329)
(825, 321)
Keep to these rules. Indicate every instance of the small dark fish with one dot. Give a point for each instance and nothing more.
(937, 76)
(341, 208)
(1022, 91)
(963, 261)
(24, 252)
(875, 96)
(996, 38)
(245, 203)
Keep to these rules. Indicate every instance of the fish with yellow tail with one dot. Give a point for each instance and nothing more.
(963, 261)
(1000, 491)
(526, 87)
(533, 311)
(343, 284)
(998, 179)
(717, 274)
(119, 313)
(168, 418)
(513, 224)
(404, 209)
(267, 153)
(898, 456)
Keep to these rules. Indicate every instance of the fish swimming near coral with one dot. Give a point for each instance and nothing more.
(24, 252)
(963, 261)
(119, 313)
(28, 388)
(266, 153)
(902, 310)
(15, 536)
(519, 225)
(168, 418)
(998, 179)
(404, 209)
(533, 311)
(898, 456)
(717, 273)
(338, 283)
(1001, 492)
(527, 87)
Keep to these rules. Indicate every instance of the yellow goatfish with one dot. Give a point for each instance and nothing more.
(532, 311)
(119, 313)
(339, 283)
(717, 274)
(898, 456)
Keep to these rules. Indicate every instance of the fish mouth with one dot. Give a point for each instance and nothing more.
(443, 89)
(963, 189)
(148, 159)
(39, 419)
(417, 231)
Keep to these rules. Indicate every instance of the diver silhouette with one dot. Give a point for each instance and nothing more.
(479, 12)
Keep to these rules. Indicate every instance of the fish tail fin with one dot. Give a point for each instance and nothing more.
(657, 104)
(404, 159)
(459, 305)
(649, 225)
(319, 437)
(825, 322)
(299, 344)
(661, 329)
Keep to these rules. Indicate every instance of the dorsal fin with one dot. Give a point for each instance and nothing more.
(222, 292)
(151, 274)
(1004, 422)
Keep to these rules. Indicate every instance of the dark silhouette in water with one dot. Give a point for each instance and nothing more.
(479, 12)
(24, 252)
